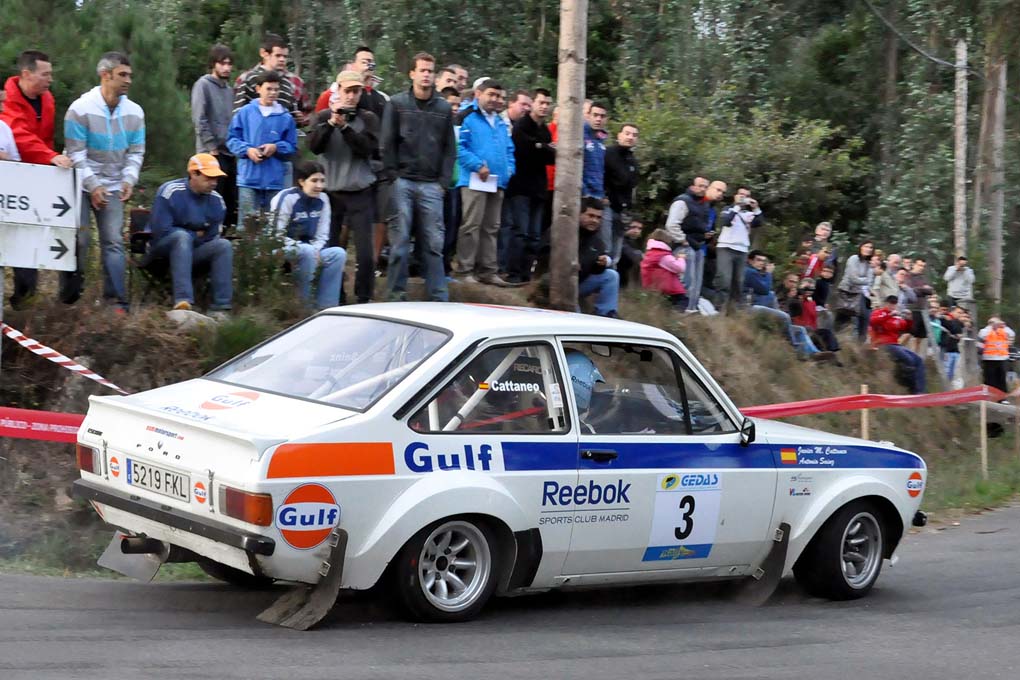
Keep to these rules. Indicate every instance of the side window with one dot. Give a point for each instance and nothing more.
(513, 389)
(635, 389)
(707, 414)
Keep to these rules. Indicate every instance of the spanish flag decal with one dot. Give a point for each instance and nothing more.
(483, 386)
(788, 456)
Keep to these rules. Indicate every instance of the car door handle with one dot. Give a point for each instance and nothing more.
(599, 455)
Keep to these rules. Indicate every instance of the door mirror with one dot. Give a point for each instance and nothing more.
(746, 432)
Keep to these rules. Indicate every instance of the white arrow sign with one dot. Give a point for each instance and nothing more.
(37, 194)
(35, 247)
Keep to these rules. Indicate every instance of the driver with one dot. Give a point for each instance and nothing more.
(583, 376)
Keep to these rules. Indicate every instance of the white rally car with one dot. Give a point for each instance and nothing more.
(448, 452)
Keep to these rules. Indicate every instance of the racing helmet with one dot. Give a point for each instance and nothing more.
(583, 376)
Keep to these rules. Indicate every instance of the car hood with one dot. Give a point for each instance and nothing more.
(778, 434)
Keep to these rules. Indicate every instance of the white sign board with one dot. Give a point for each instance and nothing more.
(39, 211)
(35, 247)
(37, 194)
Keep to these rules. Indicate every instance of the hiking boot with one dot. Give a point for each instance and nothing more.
(823, 356)
(495, 280)
(182, 304)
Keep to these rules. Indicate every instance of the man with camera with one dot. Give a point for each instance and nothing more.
(185, 222)
(887, 324)
(346, 138)
(733, 244)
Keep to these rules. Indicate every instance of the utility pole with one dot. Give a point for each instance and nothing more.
(960, 153)
(573, 54)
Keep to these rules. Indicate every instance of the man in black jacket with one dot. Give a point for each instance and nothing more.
(346, 138)
(419, 149)
(621, 180)
(594, 275)
(533, 152)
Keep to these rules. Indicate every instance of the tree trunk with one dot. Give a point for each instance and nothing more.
(569, 157)
(889, 97)
(997, 197)
(960, 153)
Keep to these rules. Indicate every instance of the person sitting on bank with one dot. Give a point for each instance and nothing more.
(887, 324)
(302, 218)
(185, 222)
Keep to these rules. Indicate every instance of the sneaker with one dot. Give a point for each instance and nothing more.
(468, 278)
(823, 356)
(612, 314)
(219, 314)
(182, 304)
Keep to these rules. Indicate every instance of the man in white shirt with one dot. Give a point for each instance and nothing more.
(733, 244)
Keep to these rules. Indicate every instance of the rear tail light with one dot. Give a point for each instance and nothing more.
(88, 459)
(254, 508)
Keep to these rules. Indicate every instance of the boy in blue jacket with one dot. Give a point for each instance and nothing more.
(263, 137)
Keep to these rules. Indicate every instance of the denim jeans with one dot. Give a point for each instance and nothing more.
(423, 200)
(526, 232)
(187, 254)
(797, 335)
(252, 202)
(950, 360)
(305, 259)
(606, 229)
(693, 275)
(606, 289)
(110, 222)
(913, 363)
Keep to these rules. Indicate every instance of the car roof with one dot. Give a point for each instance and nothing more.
(473, 319)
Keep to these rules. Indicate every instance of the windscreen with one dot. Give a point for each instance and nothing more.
(346, 361)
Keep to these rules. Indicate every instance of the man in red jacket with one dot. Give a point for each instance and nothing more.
(886, 328)
(29, 112)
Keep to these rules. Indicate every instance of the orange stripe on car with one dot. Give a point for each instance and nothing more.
(348, 459)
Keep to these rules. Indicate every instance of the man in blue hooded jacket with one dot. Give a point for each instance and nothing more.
(263, 136)
(486, 150)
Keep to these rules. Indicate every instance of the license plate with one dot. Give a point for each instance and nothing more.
(159, 479)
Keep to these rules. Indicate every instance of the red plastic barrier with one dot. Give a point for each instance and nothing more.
(21, 423)
(857, 402)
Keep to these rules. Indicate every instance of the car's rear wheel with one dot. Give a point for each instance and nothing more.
(844, 559)
(234, 577)
(445, 573)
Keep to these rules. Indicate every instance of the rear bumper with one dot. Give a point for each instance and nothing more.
(251, 543)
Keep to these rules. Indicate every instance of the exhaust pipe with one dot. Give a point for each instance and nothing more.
(140, 545)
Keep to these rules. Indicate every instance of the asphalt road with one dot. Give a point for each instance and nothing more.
(949, 609)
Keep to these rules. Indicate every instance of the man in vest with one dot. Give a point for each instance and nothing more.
(996, 338)
(688, 222)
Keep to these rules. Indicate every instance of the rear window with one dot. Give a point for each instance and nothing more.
(346, 361)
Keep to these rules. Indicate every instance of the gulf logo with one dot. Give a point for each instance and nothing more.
(115, 467)
(307, 515)
(200, 492)
(669, 482)
(231, 400)
(915, 484)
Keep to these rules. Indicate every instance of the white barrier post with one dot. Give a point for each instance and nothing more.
(865, 434)
(984, 439)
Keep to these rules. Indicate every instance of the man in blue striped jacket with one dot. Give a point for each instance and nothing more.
(104, 134)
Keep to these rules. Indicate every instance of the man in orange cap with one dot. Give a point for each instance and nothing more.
(185, 224)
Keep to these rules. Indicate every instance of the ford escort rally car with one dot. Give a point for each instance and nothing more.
(449, 452)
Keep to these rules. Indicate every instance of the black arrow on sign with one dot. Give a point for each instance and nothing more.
(63, 207)
(60, 248)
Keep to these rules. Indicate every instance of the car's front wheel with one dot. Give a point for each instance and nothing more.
(445, 573)
(844, 559)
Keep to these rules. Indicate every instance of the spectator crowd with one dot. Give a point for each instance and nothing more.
(453, 182)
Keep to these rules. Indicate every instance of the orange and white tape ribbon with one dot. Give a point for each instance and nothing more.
(56, 357)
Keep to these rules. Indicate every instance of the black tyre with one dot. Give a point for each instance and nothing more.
(844, 559)
(445, 573)
(234, 577)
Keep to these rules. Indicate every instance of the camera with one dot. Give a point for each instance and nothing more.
(746, 203)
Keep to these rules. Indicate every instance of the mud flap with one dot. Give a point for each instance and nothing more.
(137, 566)
(755, 591)
(303, 607)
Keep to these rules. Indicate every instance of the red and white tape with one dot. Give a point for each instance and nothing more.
(56, 357)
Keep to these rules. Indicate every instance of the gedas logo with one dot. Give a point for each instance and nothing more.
(307, 515)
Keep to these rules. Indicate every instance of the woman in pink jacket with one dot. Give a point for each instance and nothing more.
(663, 271)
